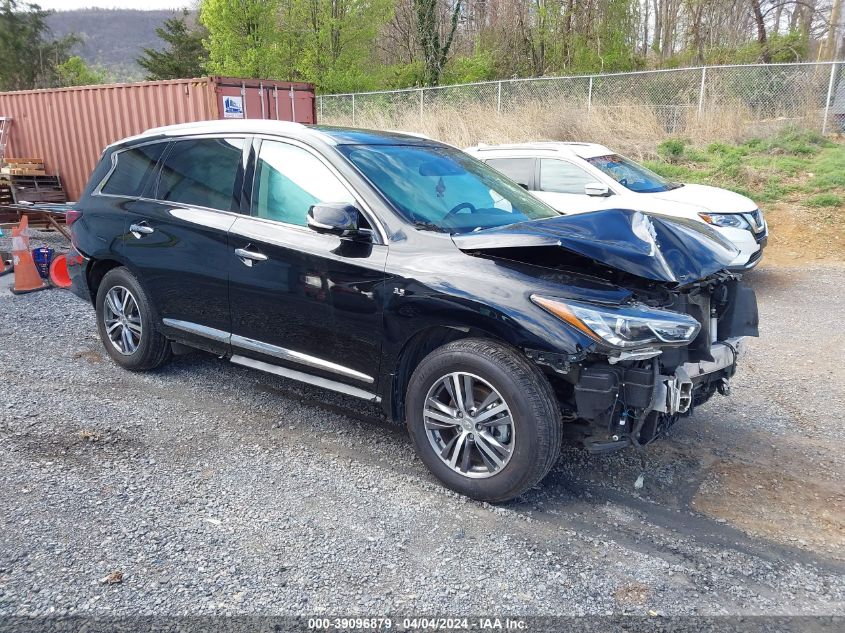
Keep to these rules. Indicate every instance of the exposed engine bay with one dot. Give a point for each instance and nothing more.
(630, 399)
(617, 392)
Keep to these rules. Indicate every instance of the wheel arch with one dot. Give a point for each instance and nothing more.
(97, 269)
(417, 347)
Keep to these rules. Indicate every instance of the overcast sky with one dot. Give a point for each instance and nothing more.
(59, 5)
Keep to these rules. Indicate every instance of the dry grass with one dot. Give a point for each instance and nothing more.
(631, 128)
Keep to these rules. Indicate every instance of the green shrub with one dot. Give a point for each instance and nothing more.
(694, 155)
(825, 200)
(793, 140)
(672, 149)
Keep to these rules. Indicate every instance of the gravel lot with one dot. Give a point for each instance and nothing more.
(215, 489)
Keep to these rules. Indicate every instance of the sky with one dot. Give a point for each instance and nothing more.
(59, 5)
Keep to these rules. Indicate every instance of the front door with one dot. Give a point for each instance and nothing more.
(301, 299)
(560, 184)
(176, 238)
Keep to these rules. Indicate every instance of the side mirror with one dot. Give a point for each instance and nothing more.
(334, 218)
(523, 185)
(597, 189)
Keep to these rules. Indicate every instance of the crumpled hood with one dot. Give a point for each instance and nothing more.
(676, 250)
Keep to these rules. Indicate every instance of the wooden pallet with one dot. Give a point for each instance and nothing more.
(36, 188)
(20, 171)
(6, 196)
(23, 167)
(24, 160)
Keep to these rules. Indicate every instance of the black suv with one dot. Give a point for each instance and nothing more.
(402, 271)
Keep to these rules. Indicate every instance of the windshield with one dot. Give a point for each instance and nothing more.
(631, 175)
(442, 188)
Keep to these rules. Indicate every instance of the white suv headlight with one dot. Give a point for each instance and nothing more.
(727, 220)
(624, 327)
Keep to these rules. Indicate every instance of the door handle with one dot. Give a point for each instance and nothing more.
(248, 257)
(140, 229)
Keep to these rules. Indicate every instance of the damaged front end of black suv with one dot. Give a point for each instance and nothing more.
(663, 323)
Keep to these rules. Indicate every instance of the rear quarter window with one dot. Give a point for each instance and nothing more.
(133, 170)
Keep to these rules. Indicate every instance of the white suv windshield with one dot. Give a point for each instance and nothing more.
(631, 175)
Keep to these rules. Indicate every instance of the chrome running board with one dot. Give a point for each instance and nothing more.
(306, 378)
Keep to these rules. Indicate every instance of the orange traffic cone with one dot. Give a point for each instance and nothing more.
(27, 278)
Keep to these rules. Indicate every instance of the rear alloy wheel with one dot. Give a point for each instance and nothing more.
(483, 419)
(122, 320)
(126, 323)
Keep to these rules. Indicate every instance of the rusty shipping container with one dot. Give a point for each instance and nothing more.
(69, 127)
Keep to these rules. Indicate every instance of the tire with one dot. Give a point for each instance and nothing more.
(532, 438)
(151, 348)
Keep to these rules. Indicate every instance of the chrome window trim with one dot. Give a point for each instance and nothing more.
(306, 378)
(276, 223)
(365, 208)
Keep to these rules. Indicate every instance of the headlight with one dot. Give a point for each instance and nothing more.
(729, 220)
(624, 327)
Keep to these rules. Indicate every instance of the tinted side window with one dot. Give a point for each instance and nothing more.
(520, 170)
(133, 170)
(203, 172)
(290, 180)
(558, 176)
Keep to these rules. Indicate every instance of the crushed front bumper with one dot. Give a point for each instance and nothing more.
(603, 390)
(675, 394)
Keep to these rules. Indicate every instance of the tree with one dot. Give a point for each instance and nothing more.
(184, 57)
(28, 56)
(244, 39)
(762, 36)
(334, 39)
(435, 47)
(75, 72)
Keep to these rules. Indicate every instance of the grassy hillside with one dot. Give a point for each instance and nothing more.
(113, 38)
(797, 178)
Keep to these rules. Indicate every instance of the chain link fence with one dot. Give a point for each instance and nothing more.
(706, 103)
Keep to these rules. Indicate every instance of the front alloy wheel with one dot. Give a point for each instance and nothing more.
(483, 418)
(469, 425)
(122, 320)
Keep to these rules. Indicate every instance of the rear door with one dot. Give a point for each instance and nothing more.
(176, 237)
(521, 170)
(299, 298)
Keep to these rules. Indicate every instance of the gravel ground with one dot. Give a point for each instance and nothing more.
(215, 489)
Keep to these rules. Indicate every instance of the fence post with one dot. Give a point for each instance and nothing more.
(321, 108)
(421, 104)
(590, 95)
(353, 108)
(701, 91)
(829, 94)
(499, 98)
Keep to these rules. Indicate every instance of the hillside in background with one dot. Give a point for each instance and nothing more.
(112, 38)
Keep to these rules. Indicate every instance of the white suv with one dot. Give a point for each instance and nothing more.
(581, 177)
